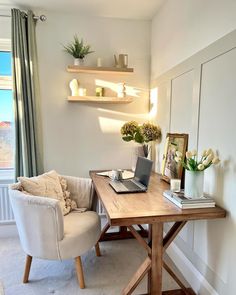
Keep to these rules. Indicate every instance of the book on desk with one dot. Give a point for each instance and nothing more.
(185, 202)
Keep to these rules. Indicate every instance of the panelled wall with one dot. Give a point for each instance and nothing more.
(198, 97)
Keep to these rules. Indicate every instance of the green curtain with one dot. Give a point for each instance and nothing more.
(28, 139)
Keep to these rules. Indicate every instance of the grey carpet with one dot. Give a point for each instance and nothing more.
(105, 275)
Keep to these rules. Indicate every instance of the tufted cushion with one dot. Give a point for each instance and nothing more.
(45, 185)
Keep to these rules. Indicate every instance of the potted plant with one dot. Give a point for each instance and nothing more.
(141, 134)
(78, 50)
(194, 176)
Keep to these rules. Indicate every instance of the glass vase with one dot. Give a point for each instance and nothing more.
(194, 182)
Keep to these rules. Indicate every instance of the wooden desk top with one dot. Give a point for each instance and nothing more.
(149, 207)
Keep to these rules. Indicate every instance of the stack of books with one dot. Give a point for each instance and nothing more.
(185, 202)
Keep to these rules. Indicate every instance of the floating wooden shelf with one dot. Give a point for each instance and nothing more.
(96, 99)
(97, 70)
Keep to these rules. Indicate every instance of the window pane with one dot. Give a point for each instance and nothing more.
(6, 129)
(5, 63)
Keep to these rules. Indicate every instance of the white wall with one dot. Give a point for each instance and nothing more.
(79, 137)
(202, 86)
(181, 28)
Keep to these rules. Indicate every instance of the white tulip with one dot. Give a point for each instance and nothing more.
(194, 152)
(210, 158)
(216, 160)
(178, 154)
(188, 155)
(200, 167)
(204, 153)
(209, 152)
(205, 162)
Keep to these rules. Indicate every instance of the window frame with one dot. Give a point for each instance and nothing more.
(6, 83)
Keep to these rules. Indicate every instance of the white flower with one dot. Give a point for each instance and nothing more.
(177, 159)
(216, 160)
(178, 154)
(188, 155)
(200, 167)
(194, 152)
(210, 158)
(209, 152)
(205, 162)
(204, 153)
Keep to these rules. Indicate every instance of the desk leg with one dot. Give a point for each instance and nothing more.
(155, 275)
(149, 272)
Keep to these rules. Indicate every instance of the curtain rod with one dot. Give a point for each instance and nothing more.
(42, 17)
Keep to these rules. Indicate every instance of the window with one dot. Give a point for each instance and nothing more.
(6, 114)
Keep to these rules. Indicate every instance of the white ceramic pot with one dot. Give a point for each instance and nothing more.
(78, 61)
(194, 182)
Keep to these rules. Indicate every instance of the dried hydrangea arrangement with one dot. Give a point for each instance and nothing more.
(141, 133)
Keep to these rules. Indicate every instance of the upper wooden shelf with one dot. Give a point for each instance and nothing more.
(104, 99)
(97, 70)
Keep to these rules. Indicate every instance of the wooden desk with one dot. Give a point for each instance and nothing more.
(153, 209)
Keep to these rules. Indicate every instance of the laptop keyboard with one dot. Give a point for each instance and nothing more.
(127, 186)
(130, 185)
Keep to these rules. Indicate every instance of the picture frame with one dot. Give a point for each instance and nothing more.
(174, 142)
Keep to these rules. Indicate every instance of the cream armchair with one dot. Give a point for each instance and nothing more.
(45, 233)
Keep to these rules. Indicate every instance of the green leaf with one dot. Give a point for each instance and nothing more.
(138, 137)
(77, 48)
(127, 138)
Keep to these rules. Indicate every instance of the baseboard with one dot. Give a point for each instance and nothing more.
(195, 279)
(8, 230)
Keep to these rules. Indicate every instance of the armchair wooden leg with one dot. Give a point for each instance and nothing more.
(79, 270)
(97, 249)
(27, 269)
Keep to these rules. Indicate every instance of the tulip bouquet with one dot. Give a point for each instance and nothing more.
(191, 162)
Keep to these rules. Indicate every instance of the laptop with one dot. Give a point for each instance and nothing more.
(140, 181)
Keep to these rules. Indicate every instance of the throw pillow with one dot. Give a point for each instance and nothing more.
(45, 185)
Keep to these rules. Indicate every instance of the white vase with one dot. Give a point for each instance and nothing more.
(78, 61)
(194, 182)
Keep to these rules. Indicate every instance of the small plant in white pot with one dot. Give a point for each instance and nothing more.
(78, 50)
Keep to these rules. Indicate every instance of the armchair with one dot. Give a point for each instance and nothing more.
(44, 231)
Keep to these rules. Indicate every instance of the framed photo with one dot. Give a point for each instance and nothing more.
(174, 142)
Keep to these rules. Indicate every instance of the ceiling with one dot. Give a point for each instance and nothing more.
(128, 9)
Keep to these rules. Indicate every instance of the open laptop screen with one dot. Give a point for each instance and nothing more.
(143, 170)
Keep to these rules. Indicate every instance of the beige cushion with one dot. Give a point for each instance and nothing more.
(45, 185)
(81, 232)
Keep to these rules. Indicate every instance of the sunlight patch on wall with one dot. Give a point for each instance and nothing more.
(153, 102)
(109, 125)
(126, 116)
(130, 90)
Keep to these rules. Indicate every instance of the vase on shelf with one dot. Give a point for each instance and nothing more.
(78, 61)
(139, 151)
(193, 185)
